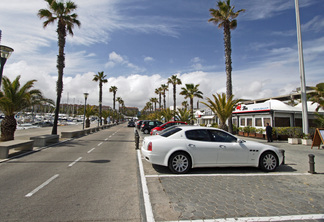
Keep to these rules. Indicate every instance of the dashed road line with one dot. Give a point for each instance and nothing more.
(42, 185)
(75, 161)
(99, 144)
(91, 150)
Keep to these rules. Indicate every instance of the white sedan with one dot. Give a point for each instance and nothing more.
(186, 147)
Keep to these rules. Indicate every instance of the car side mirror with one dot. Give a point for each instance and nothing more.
(240, 141)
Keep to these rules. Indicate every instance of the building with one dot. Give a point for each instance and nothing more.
(272, 111)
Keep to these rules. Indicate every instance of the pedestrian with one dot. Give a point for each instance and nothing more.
(269, 132)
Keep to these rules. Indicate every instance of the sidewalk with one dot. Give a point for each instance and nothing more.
(25, 134)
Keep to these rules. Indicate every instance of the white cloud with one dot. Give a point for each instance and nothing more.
(148, 59)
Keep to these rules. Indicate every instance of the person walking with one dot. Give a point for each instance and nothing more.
(269, 132)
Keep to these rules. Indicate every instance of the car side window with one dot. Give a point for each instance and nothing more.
(219, 136)
(151, 123)
(200, 135)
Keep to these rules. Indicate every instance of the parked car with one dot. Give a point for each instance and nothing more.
(166, 125)
(147, 125)
(139, 124)
(186, 147)
(131, 124)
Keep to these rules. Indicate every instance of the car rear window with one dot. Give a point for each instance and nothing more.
(170, 132)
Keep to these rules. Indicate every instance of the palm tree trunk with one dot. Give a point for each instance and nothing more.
(164, 100)
(8, 128)
(60, 66)
(228, 63)
(160, 98)
(100, 102)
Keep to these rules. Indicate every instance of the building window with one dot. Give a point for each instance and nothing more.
(282, 121)
(266, 120)
(242, 121)
(258, 122)
(249, 121)
(234, 122)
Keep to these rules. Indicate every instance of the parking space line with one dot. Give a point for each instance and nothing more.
(146, 195)
(42, 185)
(230, 175)
(259, 219)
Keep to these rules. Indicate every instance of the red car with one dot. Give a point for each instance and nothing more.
(166, 125)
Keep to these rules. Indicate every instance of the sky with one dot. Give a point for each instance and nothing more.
(139, 44)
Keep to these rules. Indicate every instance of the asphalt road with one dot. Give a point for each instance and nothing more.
(92, 178)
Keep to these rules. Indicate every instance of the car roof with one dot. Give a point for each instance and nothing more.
(187, 127)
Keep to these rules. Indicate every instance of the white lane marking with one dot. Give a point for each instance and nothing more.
(146, 195)
(74, 162)
(99, 144)
(91, 150)
(259, 219)
(110, 136)
(106, 139)
(42, 185)
(231, 175)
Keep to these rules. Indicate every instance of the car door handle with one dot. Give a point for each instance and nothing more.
(222, 146)
(191, 145)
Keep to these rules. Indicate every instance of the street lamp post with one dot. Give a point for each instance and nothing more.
(5, 53)
(85, 104)
(302, 71)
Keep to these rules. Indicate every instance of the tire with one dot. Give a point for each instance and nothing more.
(180, 163)
(268, 161)
(146, 131)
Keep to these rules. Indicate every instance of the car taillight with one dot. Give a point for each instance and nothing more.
(149, 147)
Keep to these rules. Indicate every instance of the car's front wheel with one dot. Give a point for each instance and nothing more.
(146, 131)
(180, 162)
(268, 161)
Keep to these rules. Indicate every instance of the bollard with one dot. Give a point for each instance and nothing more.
(311, 163)
(283, 156)
(136, 141)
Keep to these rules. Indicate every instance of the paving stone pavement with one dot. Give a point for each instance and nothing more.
(218, 193)
(247, 196)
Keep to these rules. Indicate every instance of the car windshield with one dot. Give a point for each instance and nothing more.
(170, 132)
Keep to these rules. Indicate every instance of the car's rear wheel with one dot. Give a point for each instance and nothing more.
(146, 131)
(180, 162)
(268, 161)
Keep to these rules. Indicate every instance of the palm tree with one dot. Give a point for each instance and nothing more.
(62, 12)
(185, 104)
(167, 114)
(15, 98)
(90, 111)
(101, 78)
(225, 18)
(191, 91)
(154, 100)
(174, 80)
(183, 115)
(164, 88)
(105, 114)
(113, 89)
(222, 107)
(318, 96)
(119, 100)
(158, 91)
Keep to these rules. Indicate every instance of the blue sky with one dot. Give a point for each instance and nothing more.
(140, 43)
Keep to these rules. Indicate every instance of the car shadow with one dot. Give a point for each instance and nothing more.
(226, 170)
